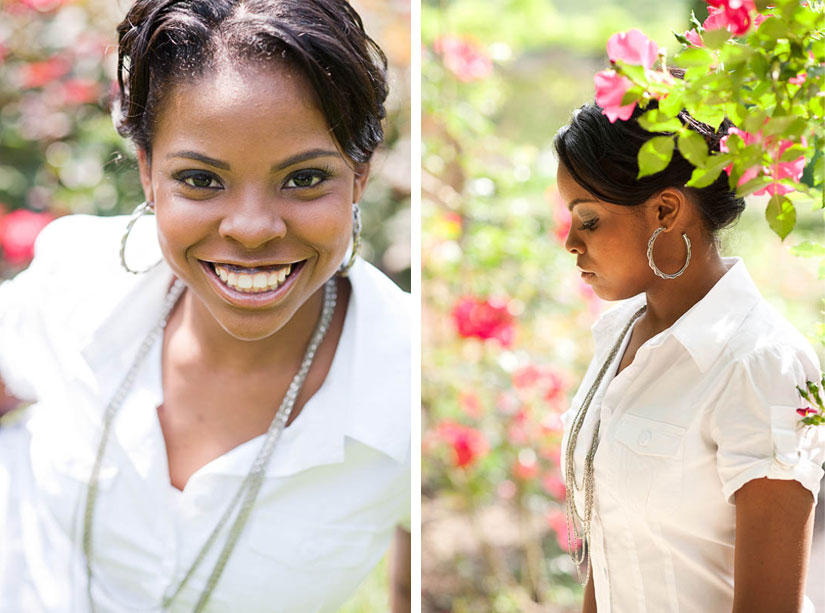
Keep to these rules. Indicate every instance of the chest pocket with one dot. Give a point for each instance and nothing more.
(649, 463)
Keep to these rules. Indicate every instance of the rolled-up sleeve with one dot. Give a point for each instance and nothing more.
(756, 427)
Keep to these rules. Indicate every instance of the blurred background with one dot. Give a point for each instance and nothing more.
(506, 320)
(60, 154)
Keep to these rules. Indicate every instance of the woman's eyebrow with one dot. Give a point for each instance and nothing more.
(295, 159)
(304, 156)
(576, 201)
(194, 155)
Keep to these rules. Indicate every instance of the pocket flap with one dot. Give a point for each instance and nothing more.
(647, 437)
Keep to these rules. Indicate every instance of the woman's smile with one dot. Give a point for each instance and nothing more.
(252, 286)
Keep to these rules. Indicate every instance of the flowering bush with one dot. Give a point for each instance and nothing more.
(768, 82)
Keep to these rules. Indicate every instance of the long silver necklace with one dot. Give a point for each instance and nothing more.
(247, 492)
(574, 534)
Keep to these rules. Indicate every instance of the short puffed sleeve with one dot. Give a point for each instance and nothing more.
(756, 426)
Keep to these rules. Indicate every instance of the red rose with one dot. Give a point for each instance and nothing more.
(18, 230)
(468, 443)
(484, 319)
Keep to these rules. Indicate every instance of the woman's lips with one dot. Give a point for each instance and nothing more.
(252, 287)
(585, 274)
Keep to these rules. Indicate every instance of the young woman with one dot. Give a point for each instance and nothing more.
(688, 478)
(229, 430)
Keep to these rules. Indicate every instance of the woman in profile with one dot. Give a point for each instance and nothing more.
(227, 430)
(689, 480)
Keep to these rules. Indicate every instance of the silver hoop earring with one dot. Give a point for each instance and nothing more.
(344, 269)
(140, 211)
(652, 264)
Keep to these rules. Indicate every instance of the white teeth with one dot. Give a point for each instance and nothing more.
(259, 281)
(252, 283)
(244, 281)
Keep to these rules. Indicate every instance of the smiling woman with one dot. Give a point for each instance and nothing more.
(229, 430)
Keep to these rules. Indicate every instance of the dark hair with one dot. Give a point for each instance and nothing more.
(164, 42)
(602, 158)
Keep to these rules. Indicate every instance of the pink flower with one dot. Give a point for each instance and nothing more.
(778, 170)
(526, 466)
(561, 215)
(798, 79)
(464, 58)
(38, 74)
(545, 379)
(18, 231)
(468, 443)
(554, 486)
(784, 170)
(694, 38)
(470, 403)
(43, 6)
(485, 319)
(735, 15)
(632, 47)
(610, 89)
(804, 412)
(80, 91)
(557, 520)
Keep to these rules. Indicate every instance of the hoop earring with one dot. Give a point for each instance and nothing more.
(344, 269)
(652, 264)
(140, 211)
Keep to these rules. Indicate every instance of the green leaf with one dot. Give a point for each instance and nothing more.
(634, 73)
(702, 177)
(792, 153)
(808, 249)
(788, 127)
(781, 215)
(754, 185)
(655, 121)
(713, 167)
(714, 39)
(655, 155)
(711, 114)
(695, 57)
(672, 104)
(759, 65)
(693, 147)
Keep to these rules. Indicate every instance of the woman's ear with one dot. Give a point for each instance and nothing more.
(359, 184)
(670, 207)
(145, 167)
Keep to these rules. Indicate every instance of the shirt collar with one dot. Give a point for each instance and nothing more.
(707, 327)
(703, 330)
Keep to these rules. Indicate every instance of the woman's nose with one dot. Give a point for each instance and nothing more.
(573, 243)
(253, 220)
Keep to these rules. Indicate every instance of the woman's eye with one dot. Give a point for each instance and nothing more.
(589, 225)
(306, 178)
(198, 180)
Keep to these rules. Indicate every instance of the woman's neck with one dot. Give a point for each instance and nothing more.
(195, 337)
(669, 299)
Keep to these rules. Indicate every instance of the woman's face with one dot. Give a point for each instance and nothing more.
(252, 196)
(608, 240)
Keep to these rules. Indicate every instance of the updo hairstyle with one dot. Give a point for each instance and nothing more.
(163, 43)
(602, 158)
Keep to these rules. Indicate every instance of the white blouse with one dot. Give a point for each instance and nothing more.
(706, 406)
(337, 485)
